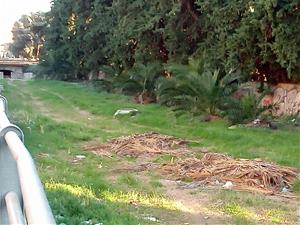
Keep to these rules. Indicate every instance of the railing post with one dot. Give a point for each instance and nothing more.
(21, 178)
(13, 205)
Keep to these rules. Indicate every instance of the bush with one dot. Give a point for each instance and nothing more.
(101, 85)
(243, 110)
(142, 80)
(195, 89)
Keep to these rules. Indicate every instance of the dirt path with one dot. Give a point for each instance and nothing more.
(72, 114)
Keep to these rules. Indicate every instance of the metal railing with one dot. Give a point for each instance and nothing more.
(22, 197)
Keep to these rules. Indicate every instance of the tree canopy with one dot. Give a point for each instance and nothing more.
(29, 35)
(260, 38)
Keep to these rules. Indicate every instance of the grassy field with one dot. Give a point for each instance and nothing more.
(59, 118)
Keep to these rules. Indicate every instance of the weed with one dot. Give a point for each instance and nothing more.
(296, 187)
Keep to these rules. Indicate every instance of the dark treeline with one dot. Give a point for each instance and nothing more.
(81, 36)
(174, 49)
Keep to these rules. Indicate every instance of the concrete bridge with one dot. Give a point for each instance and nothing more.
(13, 68)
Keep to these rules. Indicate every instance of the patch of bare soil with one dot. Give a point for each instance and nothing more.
(195, 206)
(147, 144)
(244, 174)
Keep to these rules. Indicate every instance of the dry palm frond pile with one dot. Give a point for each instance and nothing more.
(245, 174)
(141, 144)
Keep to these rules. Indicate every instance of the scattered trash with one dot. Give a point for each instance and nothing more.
(130, 112)
(80, 157)
(253, 175)
(228, 185)
(258, 123)
(141, 144)
(285, 190)
(151, 218)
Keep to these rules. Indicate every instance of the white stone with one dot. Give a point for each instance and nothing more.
(131, 112)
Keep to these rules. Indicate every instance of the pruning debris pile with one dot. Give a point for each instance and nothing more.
(244, 174)
(140, 145)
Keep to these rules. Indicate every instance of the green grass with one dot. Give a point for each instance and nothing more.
(296, 187)
(59, 118)
(129, 180)
(280, 146)
(247, 208)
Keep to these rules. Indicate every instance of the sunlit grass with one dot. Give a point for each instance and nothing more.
(75, 190)
(250, 207)
(132, 197)
(73, 204)
(271, 215)
(275, 215)
(238, 211)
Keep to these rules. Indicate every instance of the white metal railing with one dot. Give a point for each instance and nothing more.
(22, 197)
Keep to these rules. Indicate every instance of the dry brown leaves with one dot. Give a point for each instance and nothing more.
(252, 175)
(245, 174)
(141, 145)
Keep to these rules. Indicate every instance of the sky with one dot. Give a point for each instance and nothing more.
(12, 10)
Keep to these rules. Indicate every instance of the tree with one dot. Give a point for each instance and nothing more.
(29, 35)
(243, 35)
(195, 89)
(260, 38)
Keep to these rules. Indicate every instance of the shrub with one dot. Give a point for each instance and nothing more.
(142, 80)
(245, 109)
(195, 89)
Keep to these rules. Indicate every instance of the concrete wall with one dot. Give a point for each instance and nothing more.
(28, 76)
(17, 72)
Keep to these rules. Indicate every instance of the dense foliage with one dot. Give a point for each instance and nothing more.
(259, 38)
(138, 40)
(29, 35)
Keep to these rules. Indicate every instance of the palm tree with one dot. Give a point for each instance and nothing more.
(142, 80)
(195, 89)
